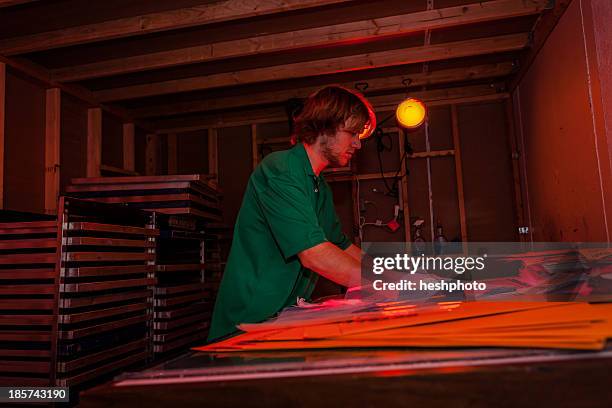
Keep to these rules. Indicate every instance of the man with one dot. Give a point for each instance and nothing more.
(287, 231)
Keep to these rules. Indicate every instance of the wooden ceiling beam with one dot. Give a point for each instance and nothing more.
(8, 3)
(495, 70)
(277, 114)
(379, 59)
(312, 37)
(205, 13)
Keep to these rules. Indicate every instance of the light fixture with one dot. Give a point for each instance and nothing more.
(411, 113)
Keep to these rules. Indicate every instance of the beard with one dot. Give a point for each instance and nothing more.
(335, 158)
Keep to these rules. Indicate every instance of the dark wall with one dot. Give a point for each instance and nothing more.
(235, 166)
(432, 184)
(563, 161)
(24, 146)
(192, 152)
(112, 140)
(487, 172)
(140, 149)
(73, 140)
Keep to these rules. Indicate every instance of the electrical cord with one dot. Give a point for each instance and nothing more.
(392, 190)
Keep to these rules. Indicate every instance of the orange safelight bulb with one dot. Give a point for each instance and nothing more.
(411, 113)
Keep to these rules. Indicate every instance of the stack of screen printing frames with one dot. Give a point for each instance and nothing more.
(191, 194)
(218, 239)
(181, 308)
(188, 261)
(75, 293)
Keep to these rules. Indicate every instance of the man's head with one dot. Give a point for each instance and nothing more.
(335, 118)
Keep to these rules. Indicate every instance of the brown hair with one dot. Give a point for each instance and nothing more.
(329, 108)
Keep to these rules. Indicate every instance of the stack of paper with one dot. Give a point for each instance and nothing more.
(347, 324)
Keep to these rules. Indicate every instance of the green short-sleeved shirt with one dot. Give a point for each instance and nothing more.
(286, 209)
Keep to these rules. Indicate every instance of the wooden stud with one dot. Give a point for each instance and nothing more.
(459, 175)
(205, 13)
(518, 197)
(151, 154)
(2, 114)
(129, 153)
(213, 168)
(325, 36)
(254, 145)
(480, 46)
(172, 154)
(331, 178)
(404, 187)
(385, 83)
(52, 149)
(94, 142)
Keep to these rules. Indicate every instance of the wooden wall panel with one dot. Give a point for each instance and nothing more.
(172, 154)
(597, 15)
(2, 105)
(343, 201)
(129, 146)
(602, 15)
(234, 160)
(487, 172)
(440, 134)
(374, 191)
(151, 154)
(94, 142)
(272, 130)
(53, 113)
(162, 155)
(562, 164)
(24, 145)
(73, 140)
(366, 160)
(418, 196)
(140, 143)
(112, 141)
(192, 152)
(444, 194)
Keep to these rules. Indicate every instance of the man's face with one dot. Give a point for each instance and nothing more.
(340, 148)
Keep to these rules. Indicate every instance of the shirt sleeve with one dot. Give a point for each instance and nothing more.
(288, 211)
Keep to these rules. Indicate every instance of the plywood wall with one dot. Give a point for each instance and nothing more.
(564, 164)
(235, 166)
(192, 152)
(112, 141)
(487, 172)
(140, 147)
(24, 144)
(73, 140)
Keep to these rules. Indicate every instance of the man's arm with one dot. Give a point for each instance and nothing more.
(354, 251)
(331, 262)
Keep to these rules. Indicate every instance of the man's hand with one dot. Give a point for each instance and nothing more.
(329, 261)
